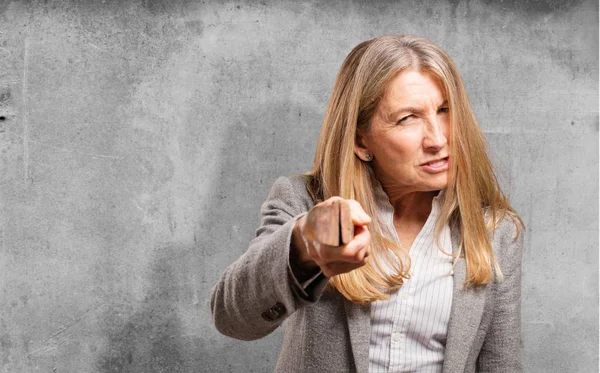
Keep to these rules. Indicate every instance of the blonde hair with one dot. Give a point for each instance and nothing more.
(472, 192)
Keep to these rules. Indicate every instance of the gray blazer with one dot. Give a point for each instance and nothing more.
(327, 333)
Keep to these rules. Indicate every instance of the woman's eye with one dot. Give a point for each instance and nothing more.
(405, 118)
(443, 110)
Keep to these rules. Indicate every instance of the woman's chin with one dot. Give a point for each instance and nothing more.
(440, 182)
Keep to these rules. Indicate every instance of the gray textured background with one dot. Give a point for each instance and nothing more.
(138, 140)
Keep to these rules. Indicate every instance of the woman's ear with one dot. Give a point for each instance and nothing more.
(360, 148)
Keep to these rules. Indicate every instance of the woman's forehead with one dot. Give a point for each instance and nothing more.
(414, 85)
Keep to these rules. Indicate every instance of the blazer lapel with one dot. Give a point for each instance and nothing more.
(359, 326)
(465, 317)
(465, 314)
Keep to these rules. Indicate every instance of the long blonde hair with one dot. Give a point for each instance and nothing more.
(472, 192)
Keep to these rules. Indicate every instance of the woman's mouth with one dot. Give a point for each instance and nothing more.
(437, 165)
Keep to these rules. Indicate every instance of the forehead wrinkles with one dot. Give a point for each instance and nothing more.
(389, 101)
(417, 96)
(385, 109)
(401, 98)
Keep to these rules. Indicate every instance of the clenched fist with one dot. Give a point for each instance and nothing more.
(333, 236)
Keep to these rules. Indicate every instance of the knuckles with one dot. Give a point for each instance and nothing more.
(321, 220)
(337, 260)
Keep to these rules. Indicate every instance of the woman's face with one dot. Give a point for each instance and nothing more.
(409, 134)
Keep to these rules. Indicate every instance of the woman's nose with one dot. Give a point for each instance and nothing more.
(435, 135)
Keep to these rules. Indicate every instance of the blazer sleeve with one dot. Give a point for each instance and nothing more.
(501, 350)
(258, 291)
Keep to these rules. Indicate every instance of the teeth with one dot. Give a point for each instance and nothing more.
(438, 163)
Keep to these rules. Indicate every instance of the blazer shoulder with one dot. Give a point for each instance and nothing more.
(292, 187)
(297, 182)
(509, 229)
(508, 242)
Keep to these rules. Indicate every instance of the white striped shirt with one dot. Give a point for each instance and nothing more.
(408, 331)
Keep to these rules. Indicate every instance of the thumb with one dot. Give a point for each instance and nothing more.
(359, 216)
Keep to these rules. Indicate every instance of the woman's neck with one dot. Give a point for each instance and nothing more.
(410, 206)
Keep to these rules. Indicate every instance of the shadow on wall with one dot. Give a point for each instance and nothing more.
(149, 340)
(150, 336)
(260, 145)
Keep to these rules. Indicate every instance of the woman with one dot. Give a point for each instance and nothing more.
(430, 280)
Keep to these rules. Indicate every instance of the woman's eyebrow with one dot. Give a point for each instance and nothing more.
(412, 109)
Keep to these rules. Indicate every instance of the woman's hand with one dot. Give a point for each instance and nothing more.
(311, 232)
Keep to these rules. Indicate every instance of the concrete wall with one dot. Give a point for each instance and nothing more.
(138, 140)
